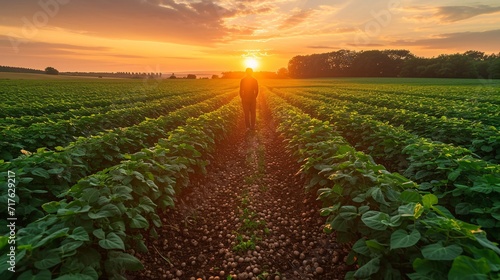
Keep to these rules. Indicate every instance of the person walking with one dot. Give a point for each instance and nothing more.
(249, 89)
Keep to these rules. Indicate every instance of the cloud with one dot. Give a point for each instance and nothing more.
(446, 14)
(366, 45)
(10, 45)
(457, 13)
(161, 20)
(295, 19)
(42, 49)
(322, 47)
(485, 41)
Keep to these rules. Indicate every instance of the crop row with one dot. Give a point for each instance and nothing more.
(35, 98)
(397, 231)
(475, 136)
(26, 120)
(468, 186)
(87, 234)
(44, 175)
(472, 110)
(63, 132)
(444, 105)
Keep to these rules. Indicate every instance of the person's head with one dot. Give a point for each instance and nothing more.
(249, 71)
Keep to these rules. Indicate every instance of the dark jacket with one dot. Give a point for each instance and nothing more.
(249, 88)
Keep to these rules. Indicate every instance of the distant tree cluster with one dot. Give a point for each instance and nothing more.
(51, 71)
(129, 75)
(20, 70)
(395, 63)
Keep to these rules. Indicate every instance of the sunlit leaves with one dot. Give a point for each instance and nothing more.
(402, 239)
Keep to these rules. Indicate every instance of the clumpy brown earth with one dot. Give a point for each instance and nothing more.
(247, 218)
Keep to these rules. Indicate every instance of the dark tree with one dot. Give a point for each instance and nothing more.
(494, 69)
(282, 73)
(372, 64)
(51, 71)
(475, 55)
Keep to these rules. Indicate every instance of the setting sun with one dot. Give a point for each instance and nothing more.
(251, 62)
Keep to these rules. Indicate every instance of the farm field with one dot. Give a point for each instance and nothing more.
(158, 179)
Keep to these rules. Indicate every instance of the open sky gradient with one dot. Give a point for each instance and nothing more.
(197, 35)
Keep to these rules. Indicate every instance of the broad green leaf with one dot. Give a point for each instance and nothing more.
(361, 248)
(90, 272)
(439, 252)
(48, 261)
(496, 216)
(125, 260)
(99, 233)
(91, 195)
(373, 219)
(341, 224)
(138, 221)
(492, 258)
(429, 200)
(329, 210)
(401, 239)
(443, 211)
(363, 209)
(368, 269)
(348, 212)
(375, 246)
(378, 196)
(464, 267)
(69, 248)
(486, 148)
(147, 204)
(407, 210)
(463, 208)
(111, 242)
(108, 210)
(409, 196)
(427, 269)
(452, 176)
(55, 171)
(486, 222)
(51, 207)
(60, 233)
(80, 234)
(40, 172)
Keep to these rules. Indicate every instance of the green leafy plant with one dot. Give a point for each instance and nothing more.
(87, 234)
(397, 231)
(45, 175)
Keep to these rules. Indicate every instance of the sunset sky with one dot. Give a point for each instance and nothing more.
(217, 35)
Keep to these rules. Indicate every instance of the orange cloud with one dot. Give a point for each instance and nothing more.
(295, 19)
(457, 13)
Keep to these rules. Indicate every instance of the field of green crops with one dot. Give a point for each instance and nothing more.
(407, 169)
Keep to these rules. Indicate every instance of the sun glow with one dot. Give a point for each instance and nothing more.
(251, 62)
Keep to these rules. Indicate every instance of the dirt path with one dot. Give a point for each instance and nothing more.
(248, 218)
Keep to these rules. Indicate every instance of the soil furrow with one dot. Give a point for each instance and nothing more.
(247, 218)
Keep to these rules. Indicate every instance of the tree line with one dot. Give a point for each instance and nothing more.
(395, 63)
(20, 70)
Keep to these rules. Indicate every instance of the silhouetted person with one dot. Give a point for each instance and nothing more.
(249, 89)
